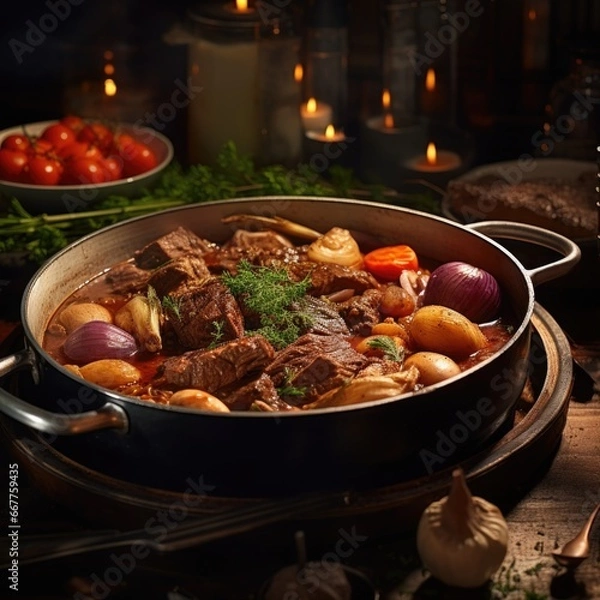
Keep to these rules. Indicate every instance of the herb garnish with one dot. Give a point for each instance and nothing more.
(234, 176)
(173, 306)
(288, 389)
(217, 333)
(388, 346)
(268, 293)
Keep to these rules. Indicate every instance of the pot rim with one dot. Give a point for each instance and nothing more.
(522, 328)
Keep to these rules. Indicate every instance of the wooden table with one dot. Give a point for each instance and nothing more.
(545, 513)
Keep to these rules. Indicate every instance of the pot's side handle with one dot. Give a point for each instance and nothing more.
(536, 235)
(108, 416)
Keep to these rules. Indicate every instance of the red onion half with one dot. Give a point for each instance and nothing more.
(469, 290)
(97, 340)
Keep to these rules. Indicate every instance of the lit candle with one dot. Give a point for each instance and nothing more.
(315, 115)
(435, 161)
(432, 99)
(329, 135)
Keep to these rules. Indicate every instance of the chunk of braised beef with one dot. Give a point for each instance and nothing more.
(323, 317)
(227, 259)
(362, 312)
(177, 243)
(178, 275)
(126, 278)
(258, 394)
(327, 278)
(218, 367)
(206, 314)
(314, 364)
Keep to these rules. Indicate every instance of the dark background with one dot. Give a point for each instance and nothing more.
(498, 101)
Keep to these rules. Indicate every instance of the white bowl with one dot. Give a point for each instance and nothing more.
(53, 199)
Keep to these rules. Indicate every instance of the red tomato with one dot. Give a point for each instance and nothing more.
(12, 164)
(16, 141)
(84, 170)
(72, 151)
(58, 135)
(44, 171)
(39, 147)
(97, 134)
(140, 160)
(124, 145)
(389, 262)
(73, 122)
(113, 168)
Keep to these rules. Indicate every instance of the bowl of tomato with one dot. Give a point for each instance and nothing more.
(69, 164)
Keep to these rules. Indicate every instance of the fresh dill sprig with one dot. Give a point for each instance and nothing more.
(173, 306)
(217, 333)
(288, 389)
(388, 346)
(269, 293)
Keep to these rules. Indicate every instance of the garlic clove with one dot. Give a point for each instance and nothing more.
(462, 539)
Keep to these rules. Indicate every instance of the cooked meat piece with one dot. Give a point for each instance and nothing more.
(227, 259)
(314, 363)
(179, 275)
(180, 242)
(361, 312)
(327, 278)
(324, 317)
(258, 394)
(126, 278)
(211, 370)
(206, 314)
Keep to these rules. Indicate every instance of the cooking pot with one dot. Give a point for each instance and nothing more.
(258, 454)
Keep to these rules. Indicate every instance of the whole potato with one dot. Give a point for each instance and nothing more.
(440, 329)
(433, 367)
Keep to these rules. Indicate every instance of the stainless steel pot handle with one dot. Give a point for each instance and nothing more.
(108, 416)
(536, 235)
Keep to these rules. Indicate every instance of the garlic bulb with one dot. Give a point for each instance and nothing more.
(462, 539)
(336, 246)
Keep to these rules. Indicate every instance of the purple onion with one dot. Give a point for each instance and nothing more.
(96, 340)
(467, 289)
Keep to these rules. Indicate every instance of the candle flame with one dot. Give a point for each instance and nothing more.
(430, 80)
(241, 5)
(298, 73)
(386, 99)
(109, 69)
(110, 87)
(431, 154)
(311, 106)
(388, 121)
(330, 132)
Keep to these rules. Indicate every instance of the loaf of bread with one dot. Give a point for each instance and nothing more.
(565, 206)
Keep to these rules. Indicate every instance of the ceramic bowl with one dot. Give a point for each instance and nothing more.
(39, 199)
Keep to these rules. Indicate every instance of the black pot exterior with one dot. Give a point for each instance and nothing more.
(260, 454)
